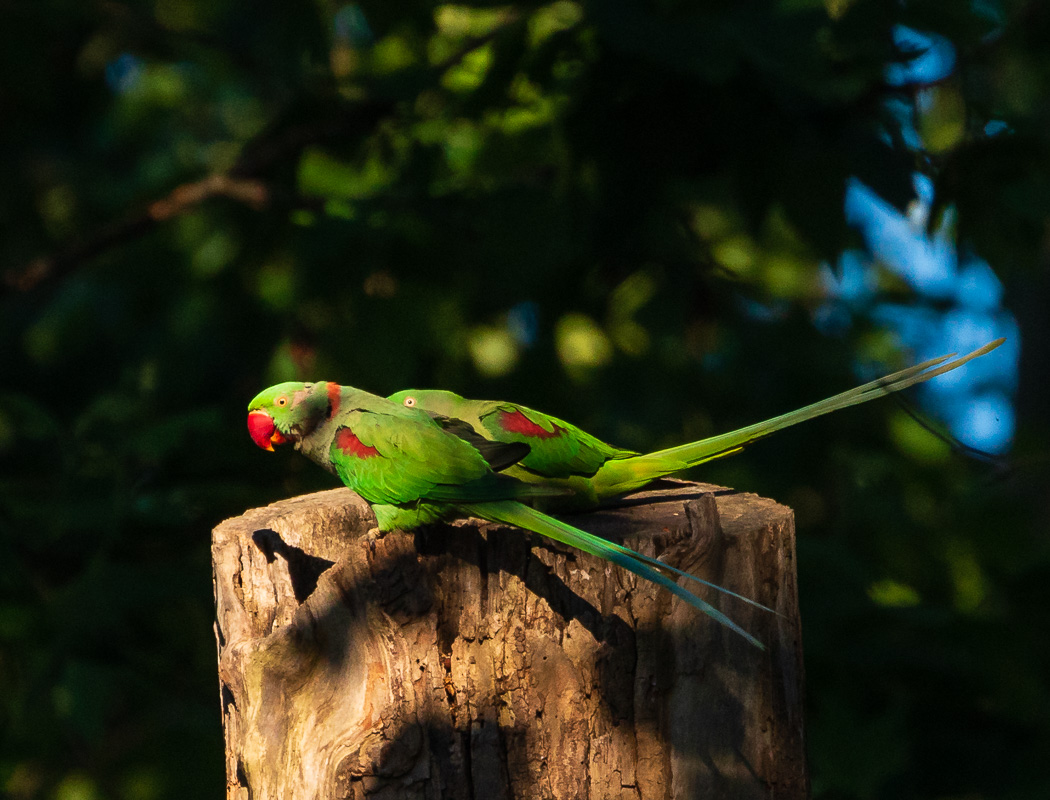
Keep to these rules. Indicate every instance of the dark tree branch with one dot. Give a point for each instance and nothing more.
(181, 199)
(243, 183)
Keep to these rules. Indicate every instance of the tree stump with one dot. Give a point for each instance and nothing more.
(480, 661)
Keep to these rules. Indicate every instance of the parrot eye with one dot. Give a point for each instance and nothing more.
(410, 401)
(282, 400)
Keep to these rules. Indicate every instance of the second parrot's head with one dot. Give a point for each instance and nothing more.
(288, 411)
(436, 401)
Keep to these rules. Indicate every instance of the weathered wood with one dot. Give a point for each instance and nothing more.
(477, 661)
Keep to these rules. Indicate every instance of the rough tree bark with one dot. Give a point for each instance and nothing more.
(478, 661)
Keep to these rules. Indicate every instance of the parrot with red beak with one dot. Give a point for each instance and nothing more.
(413, 469)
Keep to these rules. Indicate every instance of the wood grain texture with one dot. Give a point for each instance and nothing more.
(478, 661)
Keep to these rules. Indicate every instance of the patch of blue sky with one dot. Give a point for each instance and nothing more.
(923, 191)
(961, 330)
(853, 282)
(930, 332)
(996, 127)
(958, 300)
(978, 288)
(984, 420)
(927, 263)
(966, 330)
(932, 58)
(969, 399)
(912, 325)
(902, 110)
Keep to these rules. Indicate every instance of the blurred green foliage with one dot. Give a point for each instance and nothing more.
(578, 206)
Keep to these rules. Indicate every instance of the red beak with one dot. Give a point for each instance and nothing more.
(262, 430)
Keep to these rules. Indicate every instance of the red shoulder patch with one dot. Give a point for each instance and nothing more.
(348, 442)
(334, 396)
(516, 422)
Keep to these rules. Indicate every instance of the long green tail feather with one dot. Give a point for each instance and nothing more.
(514, 513)
(660, 566)
(625, 475)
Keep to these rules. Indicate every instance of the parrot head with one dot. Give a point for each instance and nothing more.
(436, 401)
(287, 412)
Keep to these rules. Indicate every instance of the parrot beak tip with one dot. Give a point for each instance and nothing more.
(263, 431)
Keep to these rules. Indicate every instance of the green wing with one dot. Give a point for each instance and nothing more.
(557, 449)
(406, 457)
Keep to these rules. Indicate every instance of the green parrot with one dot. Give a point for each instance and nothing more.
(414, 469)
(562, 455)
